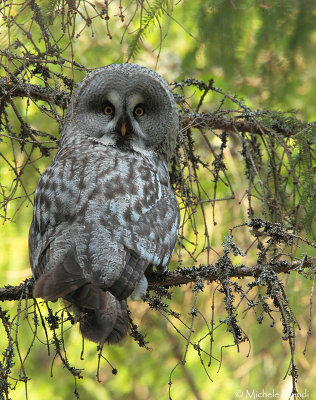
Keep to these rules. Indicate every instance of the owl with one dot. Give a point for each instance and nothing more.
(104, 212)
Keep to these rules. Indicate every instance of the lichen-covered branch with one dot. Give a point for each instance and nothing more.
(182, 276)
(11, 88)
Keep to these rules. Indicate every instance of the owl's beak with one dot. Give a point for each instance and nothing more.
(123, 129)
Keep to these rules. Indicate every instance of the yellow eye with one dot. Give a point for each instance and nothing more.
(109, 110)
(139, 111)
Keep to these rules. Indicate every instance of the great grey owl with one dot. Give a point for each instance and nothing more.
(104, 211)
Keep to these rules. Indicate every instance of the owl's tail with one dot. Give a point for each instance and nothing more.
(101, 316)
(107, 325)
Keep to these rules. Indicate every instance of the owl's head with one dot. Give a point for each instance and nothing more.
(125, 105)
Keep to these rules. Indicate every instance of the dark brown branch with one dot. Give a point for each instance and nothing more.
(23, 291)
(231, 125)
(17, 88)
(183, 276)
(9, 89)
(212, 273)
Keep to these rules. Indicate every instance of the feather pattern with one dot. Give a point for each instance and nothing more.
(104, 210)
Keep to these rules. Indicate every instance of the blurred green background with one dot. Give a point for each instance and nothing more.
(265, 52)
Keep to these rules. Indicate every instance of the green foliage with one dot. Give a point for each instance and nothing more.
(150, 16)
(245, 180)
(262, 49)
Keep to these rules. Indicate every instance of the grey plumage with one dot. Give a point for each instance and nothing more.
(104, 210)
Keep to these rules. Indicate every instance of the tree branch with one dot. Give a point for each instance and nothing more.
(213, 121)
(15, 88)
(183, 276)
(214, 272)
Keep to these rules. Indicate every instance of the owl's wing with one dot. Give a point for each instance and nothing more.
(138, 210)
(140, 213)
(99, 220)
